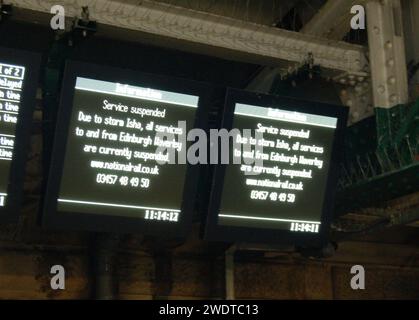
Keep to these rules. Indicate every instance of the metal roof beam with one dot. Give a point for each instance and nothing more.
(333, 19)
(215, 31)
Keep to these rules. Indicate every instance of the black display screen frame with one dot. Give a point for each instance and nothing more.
(216, 232)
(31, 60)
(54, 219)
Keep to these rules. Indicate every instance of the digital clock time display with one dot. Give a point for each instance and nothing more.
(305, 227)
(160, 215)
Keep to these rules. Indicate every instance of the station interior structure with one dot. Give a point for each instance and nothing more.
(300, 48)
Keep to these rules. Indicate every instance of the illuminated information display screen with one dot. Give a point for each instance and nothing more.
(117, 173)
(111, 165)
(287, 191)
(11, 85)
(280, 185)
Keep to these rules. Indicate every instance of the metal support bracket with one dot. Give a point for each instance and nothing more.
(387, 53)
(6, 10)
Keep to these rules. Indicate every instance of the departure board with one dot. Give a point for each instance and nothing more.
(119, 137)
(282, 182)
(18, 83)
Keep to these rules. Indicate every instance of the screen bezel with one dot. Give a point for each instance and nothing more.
(215, 232)
(54, 219)
(31, 61)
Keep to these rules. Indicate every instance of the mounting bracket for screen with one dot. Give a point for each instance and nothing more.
(5, 11)
(103, 250)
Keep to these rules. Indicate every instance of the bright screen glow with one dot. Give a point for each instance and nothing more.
(11, 86)
(111, 164)
(289, 190)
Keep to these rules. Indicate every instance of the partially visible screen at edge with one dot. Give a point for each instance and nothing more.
(12, 78)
